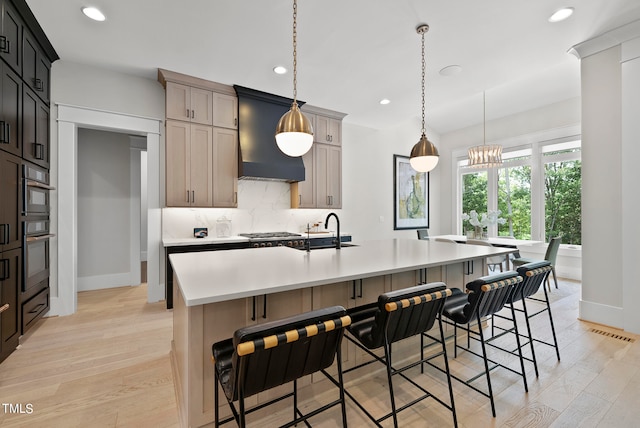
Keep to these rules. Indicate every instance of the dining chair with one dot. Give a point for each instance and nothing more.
(492, 261)
(550, 255)
(423, 234)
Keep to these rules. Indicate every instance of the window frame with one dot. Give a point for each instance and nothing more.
(536, 143)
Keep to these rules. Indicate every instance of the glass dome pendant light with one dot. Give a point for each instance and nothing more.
(424, 155)
(294, 133)
(485, 156)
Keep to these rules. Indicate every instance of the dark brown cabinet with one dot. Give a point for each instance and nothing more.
(10, 311)
(35, 67)
(11, 202)
(35, 129)
(10, 35)
(10, 110)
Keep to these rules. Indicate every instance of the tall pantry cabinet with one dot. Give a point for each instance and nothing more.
(26, 56)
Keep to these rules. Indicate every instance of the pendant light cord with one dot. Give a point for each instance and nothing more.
(295, 51)
(423, 76)
(484, 119)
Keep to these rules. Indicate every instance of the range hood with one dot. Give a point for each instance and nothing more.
(259, 156)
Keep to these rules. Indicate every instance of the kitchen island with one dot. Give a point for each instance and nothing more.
(219, 292)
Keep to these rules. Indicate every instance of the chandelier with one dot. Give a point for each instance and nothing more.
(486, 155)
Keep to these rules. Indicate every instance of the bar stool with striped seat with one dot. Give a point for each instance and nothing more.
(534, 275)
(261, 357)
(484, 297)
(395, 316)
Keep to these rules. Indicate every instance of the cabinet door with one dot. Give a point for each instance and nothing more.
(225, 111)
(306, 188)
(225, 168)
(201, 106)
(328, 130)
(10, 202)
(10, 39)
(201, 166)
(178, 164)
(35, 129)
(10, 111)
(334, 177)
(321, 164)
(178, 102)
(42, 136)
(328, 176)
(10, 275)
(43, 77)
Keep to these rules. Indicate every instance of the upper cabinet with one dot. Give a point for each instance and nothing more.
(225, 111)
(10, 110)
(10, 35)
(35, 67)
(328, 130)
(201, 142)
(189, 104)
(322, 187)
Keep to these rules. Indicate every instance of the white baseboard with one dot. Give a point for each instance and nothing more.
(601, 314)
(98, 282)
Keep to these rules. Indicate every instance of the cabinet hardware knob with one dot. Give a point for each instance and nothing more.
(193, 114)
(3, 130)
(4, 307)
(36, 309)
(188, 197)
(235, 121)
(188, 113)
(193, 196)
(37, 83)
(38, 151)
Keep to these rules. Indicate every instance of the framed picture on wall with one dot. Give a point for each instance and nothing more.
(410, 195)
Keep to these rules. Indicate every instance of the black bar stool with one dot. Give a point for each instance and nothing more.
(484, 297)
(398, 315)
(534, 276)
(261, 357)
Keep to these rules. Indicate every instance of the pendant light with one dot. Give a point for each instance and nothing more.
(294, 133)
(485, 156)
(424, 155)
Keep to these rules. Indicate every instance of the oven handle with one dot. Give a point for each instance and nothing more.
(32, 183)
(40, 238)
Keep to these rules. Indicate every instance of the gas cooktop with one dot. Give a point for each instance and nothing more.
(270, 235)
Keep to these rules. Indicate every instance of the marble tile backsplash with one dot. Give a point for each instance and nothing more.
(263, 206)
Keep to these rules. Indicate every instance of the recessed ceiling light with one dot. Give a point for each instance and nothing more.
(561, 14)
(385, 101)
(279, 70)
(451, 70)
(93, 13)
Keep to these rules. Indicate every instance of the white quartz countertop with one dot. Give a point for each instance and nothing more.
(217, 276)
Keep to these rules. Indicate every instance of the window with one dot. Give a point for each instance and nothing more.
(537, 190)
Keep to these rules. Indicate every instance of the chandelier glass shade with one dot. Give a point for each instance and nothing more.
(424, 155)
(486, 155)
(294, 132)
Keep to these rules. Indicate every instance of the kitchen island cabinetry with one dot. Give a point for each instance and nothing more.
(214, 295)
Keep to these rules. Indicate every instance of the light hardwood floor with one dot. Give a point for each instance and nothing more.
(108, 366)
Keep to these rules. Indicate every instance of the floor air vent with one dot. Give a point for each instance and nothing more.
(612, 335)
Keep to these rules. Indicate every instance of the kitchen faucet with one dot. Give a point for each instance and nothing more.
(326, 223)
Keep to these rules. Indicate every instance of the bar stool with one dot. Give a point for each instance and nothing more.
(534, 275)
(398, 315)
(485, 296)
(261, 357)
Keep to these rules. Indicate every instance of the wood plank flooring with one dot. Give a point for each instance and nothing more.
(108, 366)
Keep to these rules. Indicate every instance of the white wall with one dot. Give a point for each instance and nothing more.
(104, 200)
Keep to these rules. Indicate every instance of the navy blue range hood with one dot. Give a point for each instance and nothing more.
(259, 156)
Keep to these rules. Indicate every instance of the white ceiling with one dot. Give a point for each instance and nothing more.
(351, 53)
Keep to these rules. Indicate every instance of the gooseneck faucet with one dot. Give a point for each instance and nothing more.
(326, 223)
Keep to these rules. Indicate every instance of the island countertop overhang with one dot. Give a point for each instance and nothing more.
(217, 276)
